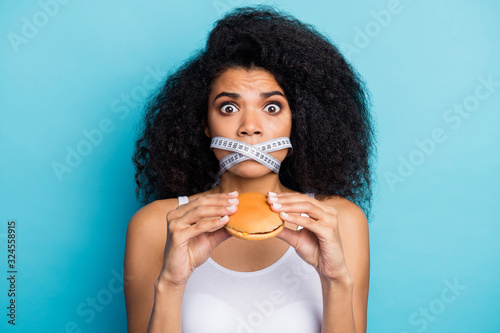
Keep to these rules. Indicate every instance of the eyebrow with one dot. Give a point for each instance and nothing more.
(262, 95)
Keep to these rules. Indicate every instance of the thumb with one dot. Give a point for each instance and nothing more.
(289, 236)
(217, 237)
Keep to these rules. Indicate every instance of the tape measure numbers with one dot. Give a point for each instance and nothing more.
(243, 151)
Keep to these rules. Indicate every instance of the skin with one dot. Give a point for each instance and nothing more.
(334, 238)
(250, 118)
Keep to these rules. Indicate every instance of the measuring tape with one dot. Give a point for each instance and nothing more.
(243, 151)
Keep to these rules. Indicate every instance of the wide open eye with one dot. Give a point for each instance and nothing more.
(228, 108)
(273, 107)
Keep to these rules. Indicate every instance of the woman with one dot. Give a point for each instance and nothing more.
(262, 75)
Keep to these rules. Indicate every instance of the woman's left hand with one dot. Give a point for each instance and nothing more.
(318, 242)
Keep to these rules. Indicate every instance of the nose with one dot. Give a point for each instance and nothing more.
(250, 123)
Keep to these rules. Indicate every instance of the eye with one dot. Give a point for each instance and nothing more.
(273, 107)
(228, 108)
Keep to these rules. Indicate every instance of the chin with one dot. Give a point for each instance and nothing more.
(249, 169)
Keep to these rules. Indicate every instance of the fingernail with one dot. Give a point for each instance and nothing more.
(225, 218)
(272, 194)
(276, 205)
(232, 201)
(273, 198)
(231, 207)
(283, 214)
(233, 193)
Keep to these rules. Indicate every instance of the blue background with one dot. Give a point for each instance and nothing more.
(86, 67)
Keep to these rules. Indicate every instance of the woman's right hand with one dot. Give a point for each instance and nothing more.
(193, 231)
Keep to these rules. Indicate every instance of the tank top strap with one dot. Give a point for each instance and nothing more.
(183, 200)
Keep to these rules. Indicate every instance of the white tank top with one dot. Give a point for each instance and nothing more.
(283, 297)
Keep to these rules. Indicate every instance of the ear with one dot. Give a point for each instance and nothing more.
(205, 127)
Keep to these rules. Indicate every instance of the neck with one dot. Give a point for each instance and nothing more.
(267, 183)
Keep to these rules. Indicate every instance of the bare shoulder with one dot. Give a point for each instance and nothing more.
(144, 248)
(146, 237)
(151, 218)
(149, 215)
(348, 213)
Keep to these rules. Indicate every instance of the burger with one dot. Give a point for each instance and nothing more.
(254, 219)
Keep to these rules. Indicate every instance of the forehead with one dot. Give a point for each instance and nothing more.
(240, 79)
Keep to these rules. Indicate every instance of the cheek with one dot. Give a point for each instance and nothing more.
(220, 125)
(212, 126)
(220, 154)
(282, 127)
(289, 129)
(280, 155)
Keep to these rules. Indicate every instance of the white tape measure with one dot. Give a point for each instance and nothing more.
(243, 151)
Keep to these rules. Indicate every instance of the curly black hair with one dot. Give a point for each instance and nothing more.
(332, 133)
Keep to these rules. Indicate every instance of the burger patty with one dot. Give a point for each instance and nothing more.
(255, 233)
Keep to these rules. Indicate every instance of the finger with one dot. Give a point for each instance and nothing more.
(218, 199)
(289, 236)
(299, 207)
(202, 211)
(297, 197)
(321, 230)
(300, 240)
(204, 220)
(205, 226)
(217, 237)
(288, 195)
